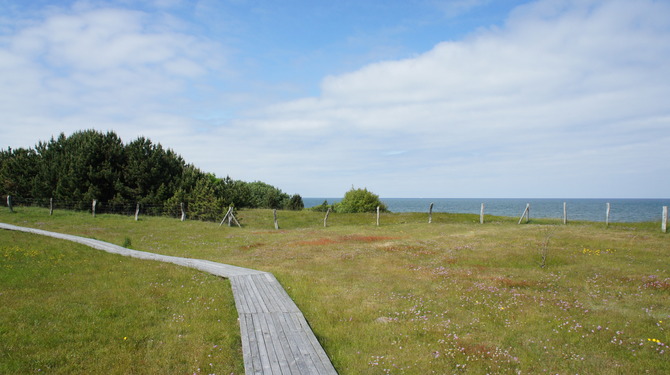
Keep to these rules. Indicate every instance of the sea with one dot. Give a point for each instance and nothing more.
(621, 210)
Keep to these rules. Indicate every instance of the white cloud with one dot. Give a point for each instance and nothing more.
(562, 89)
(567, 98)
(103, 68)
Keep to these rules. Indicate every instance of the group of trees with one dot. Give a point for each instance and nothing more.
(91, 165)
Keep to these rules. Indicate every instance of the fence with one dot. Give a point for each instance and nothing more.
(181, 211)
(129, 209)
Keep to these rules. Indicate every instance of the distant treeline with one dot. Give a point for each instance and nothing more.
(91, 165)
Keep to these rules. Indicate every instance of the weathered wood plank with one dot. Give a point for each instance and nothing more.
(286, 344)
(269, 334)
(316, 349)
(299, 347)
(261, 353)
(249, 345)
(255, 296)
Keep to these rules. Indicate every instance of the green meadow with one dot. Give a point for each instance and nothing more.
(405, 297)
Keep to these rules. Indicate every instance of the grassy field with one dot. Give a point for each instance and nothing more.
(406, 297)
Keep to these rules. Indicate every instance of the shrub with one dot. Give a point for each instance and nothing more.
(360, 200)
(323, 207)
(295, 203)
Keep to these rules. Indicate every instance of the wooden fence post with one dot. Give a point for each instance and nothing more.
(430, 214)
(95, 203)
(377, 215)
(664, 220)
(525, 213)
(183, 213)
(481, 215)
(231, 217)
(226, 216)
(51, 206)
(325, 219)
(274, 213)
(9, 203)
(565, 213)
(607, 215)
(137, 211)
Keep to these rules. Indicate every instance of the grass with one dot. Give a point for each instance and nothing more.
(65, 308)
(407, 297)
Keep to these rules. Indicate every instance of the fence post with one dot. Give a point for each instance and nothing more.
(137, 211)
(325, 219)
(430, 214)
(481, 215)
(565, 213)
(607, 215)
(274, 213)
(183, 213)
(525, 213)
(9, 203)
(51, 206)
(664, 220)
(377, 215)
(95, 203)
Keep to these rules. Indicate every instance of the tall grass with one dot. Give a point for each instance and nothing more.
(453, 296)
(65, 308)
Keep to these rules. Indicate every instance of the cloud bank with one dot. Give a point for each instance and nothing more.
(565, 99)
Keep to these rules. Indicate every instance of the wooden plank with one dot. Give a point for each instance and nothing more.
(301, 352)
(255, 296)
(276, 293)
(269, 351)
(278, 342)
(241, 302)
(252, 363)
(248, 305)
(287, 346)
(268, 295)
(305, 367)
(325, 366)
(261, 352)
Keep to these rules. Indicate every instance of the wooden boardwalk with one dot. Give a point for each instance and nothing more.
(276, 338)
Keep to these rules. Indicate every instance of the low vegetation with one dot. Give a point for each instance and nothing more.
(360, 200)
(406, 297)
(66, 309)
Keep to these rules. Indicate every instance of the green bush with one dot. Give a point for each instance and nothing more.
(323, 207)
(360, 200)
(295, 203)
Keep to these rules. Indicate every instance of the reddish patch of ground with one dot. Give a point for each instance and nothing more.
(343, 239)
(251, 246)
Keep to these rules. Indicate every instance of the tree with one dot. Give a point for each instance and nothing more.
(263, 195)
(360, 200)
(295, 203)
(17, 170)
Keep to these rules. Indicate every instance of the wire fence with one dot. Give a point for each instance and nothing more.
(128, 209)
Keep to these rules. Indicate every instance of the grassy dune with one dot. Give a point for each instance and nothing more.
(407, 297)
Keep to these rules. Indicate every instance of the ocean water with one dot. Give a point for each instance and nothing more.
(621, 210)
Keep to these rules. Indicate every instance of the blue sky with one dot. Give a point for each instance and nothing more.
(461, 98)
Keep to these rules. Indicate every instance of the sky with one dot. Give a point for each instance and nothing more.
(407, 98)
